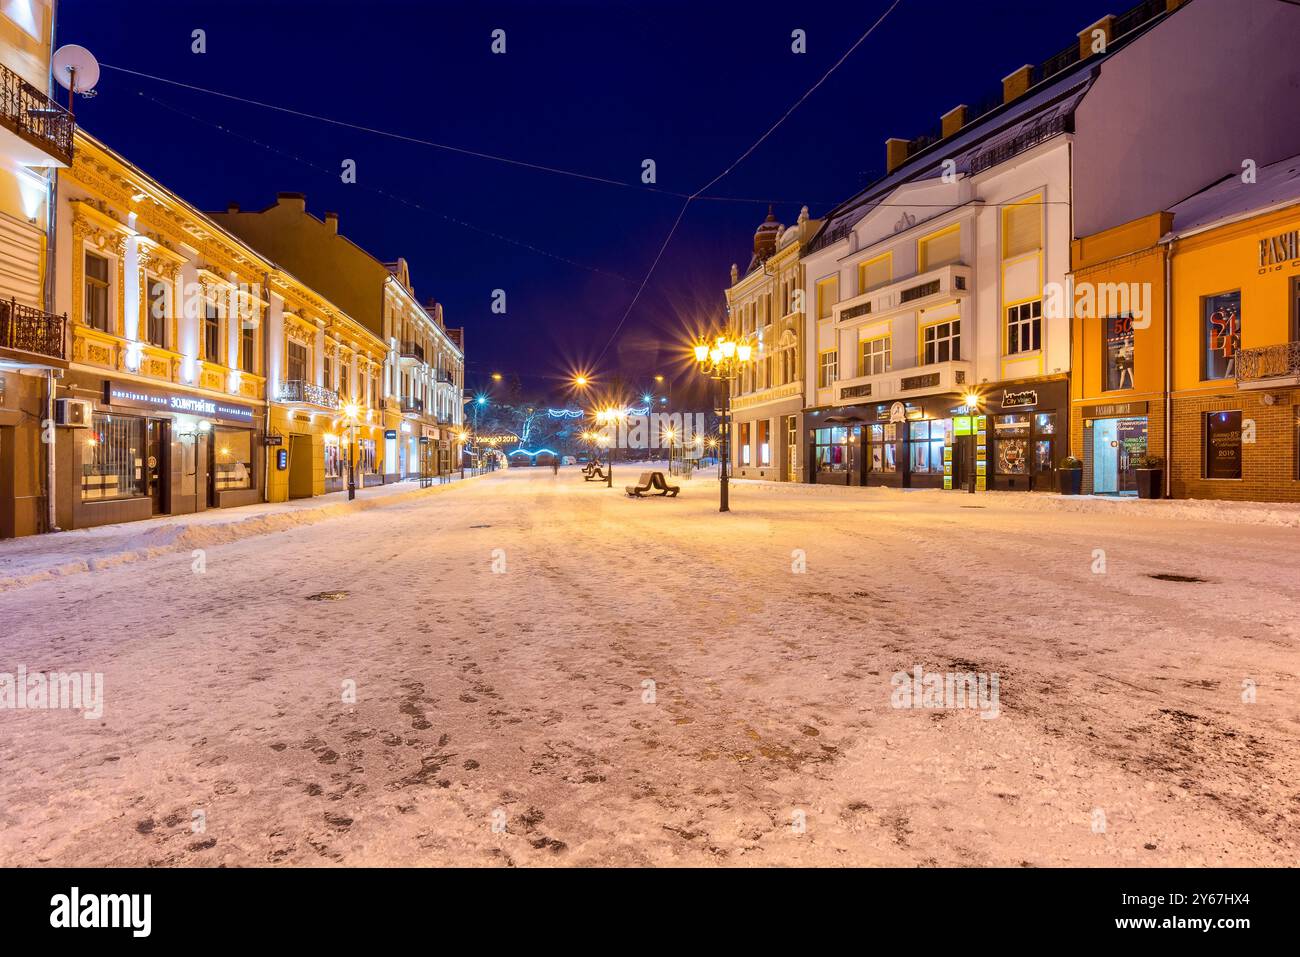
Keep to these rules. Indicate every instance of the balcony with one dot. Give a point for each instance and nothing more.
(411, 353)
(300, 390)
(920, 291)
(442, 375)
(29, 336)
(412, 406)
(1270, 367)
(40, 130)
(935, 378)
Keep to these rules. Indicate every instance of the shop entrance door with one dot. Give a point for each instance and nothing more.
(1114, 444)
(791, 449)
(156, 465)
(301, 467)
(963, 461)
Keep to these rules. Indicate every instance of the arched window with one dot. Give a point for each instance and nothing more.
(787, 357)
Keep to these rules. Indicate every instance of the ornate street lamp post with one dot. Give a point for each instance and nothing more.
(723, 360)
(352, 412)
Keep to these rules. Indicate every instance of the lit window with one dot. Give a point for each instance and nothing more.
(1024, 327)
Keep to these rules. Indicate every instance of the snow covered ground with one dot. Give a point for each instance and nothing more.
(502, 635)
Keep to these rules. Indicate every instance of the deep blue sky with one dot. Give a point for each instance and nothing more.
(591, 87)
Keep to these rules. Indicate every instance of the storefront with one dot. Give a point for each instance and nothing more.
(1114, 435)
(1010, 440)
(149, 449)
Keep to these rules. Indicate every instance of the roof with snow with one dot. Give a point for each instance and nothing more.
(1275, 185)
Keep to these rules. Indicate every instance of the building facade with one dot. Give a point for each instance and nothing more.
(36, 141)
(765, 307)
(424, 365)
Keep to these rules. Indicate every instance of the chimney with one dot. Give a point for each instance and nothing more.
(232, 207)
(895, 153)
(1099, 33)
(294, 201)
(332, 222)
(1015, 84)
(953, 120)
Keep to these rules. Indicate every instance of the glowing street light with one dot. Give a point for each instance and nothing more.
(724, 360)
(352, 413)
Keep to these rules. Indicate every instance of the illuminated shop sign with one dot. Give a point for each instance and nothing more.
(1012, 400)
(1279, 250)
(133, 395)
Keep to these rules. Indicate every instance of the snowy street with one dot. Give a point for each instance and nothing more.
(548, 672)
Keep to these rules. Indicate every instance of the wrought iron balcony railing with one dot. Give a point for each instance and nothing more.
(300, 390)
(34, 116)
(25, 329)
(1269, 362)
(442, 375)
(412, 350)
(412, 405)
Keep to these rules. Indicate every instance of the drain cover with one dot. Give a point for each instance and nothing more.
(328, 596)
(1170, 577)
(972, 506)
(480, 526)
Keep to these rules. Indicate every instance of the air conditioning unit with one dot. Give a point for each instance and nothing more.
(73, 413)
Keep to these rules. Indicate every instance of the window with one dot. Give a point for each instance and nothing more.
(875, 273)
(96, 292)
(744, 443)
(232, 458)
(1022, 227)
(831, 449)
(942, 342)
(329, 372)
(1223, 445)
(1295, 308)
(247, 346)
(882, 444)
(1025, 327)
(926, 440)
(366, 457)
(828, 294)
(112, 462)
(156, 320)
(1011, 444)
(940, 249)
(1117, 353)
(875, 357)
(296, 367)
(211, 332)
(764, 442)
(1222, 334)
(827, 369)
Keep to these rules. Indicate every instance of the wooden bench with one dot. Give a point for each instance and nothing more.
(643, 485)
(596, 475)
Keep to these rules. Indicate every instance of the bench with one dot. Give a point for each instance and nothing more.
(596, 475)
(661, 483)
(643, 485)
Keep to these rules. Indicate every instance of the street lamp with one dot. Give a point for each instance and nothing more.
(352, 412)
(723, 360)
(610, 417)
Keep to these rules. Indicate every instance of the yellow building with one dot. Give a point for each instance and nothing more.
(1235, 291)
(35, 141)
(1187, 343)
(1118, 382)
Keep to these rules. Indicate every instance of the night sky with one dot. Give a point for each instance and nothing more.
(593, 88)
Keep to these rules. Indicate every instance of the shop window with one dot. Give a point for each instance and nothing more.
(156, 320)
(828, 365)
(882, 443)
(211, 332)
(1221, 332)
(335, 459)
(1117, 350)
(828, 294)
(112, 462)
(1295, 308)
(765, 442)
(296, 366)
(831, 449)
(96, 292)
(1296, 433)
(366, 457)
(876, 357)
(1025, 327)
(942, 342)
(926, 440)
(232, 452)
(1011, 444)
(744, 443)
(1223, 445)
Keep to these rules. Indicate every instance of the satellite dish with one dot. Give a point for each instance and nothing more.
(76, 70)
